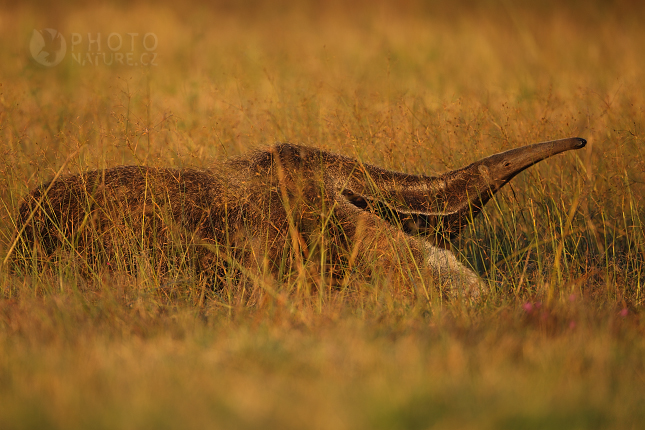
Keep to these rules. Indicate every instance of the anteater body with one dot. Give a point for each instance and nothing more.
(271, 211)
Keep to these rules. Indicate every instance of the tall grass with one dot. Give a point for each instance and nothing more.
(419, 87)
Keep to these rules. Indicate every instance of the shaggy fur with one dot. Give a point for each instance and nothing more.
(273, 210)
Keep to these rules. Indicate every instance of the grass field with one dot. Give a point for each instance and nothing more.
(421, 87)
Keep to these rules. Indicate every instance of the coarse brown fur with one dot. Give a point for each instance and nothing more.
(273, 210)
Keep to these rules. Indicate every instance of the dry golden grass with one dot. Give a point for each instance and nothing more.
(419, 87)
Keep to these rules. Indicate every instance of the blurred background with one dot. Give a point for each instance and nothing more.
(416, 86)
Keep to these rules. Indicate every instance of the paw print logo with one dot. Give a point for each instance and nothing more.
(47, 47)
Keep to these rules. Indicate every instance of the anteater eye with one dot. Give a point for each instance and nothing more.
(508, 163)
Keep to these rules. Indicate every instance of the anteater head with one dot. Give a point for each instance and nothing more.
(492, 173)
(440, 207)
(465, 191)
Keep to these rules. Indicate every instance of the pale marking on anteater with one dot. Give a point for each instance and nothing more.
(275, 207)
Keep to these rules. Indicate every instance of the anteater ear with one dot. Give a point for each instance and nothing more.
(360, 201)
(411, 222)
